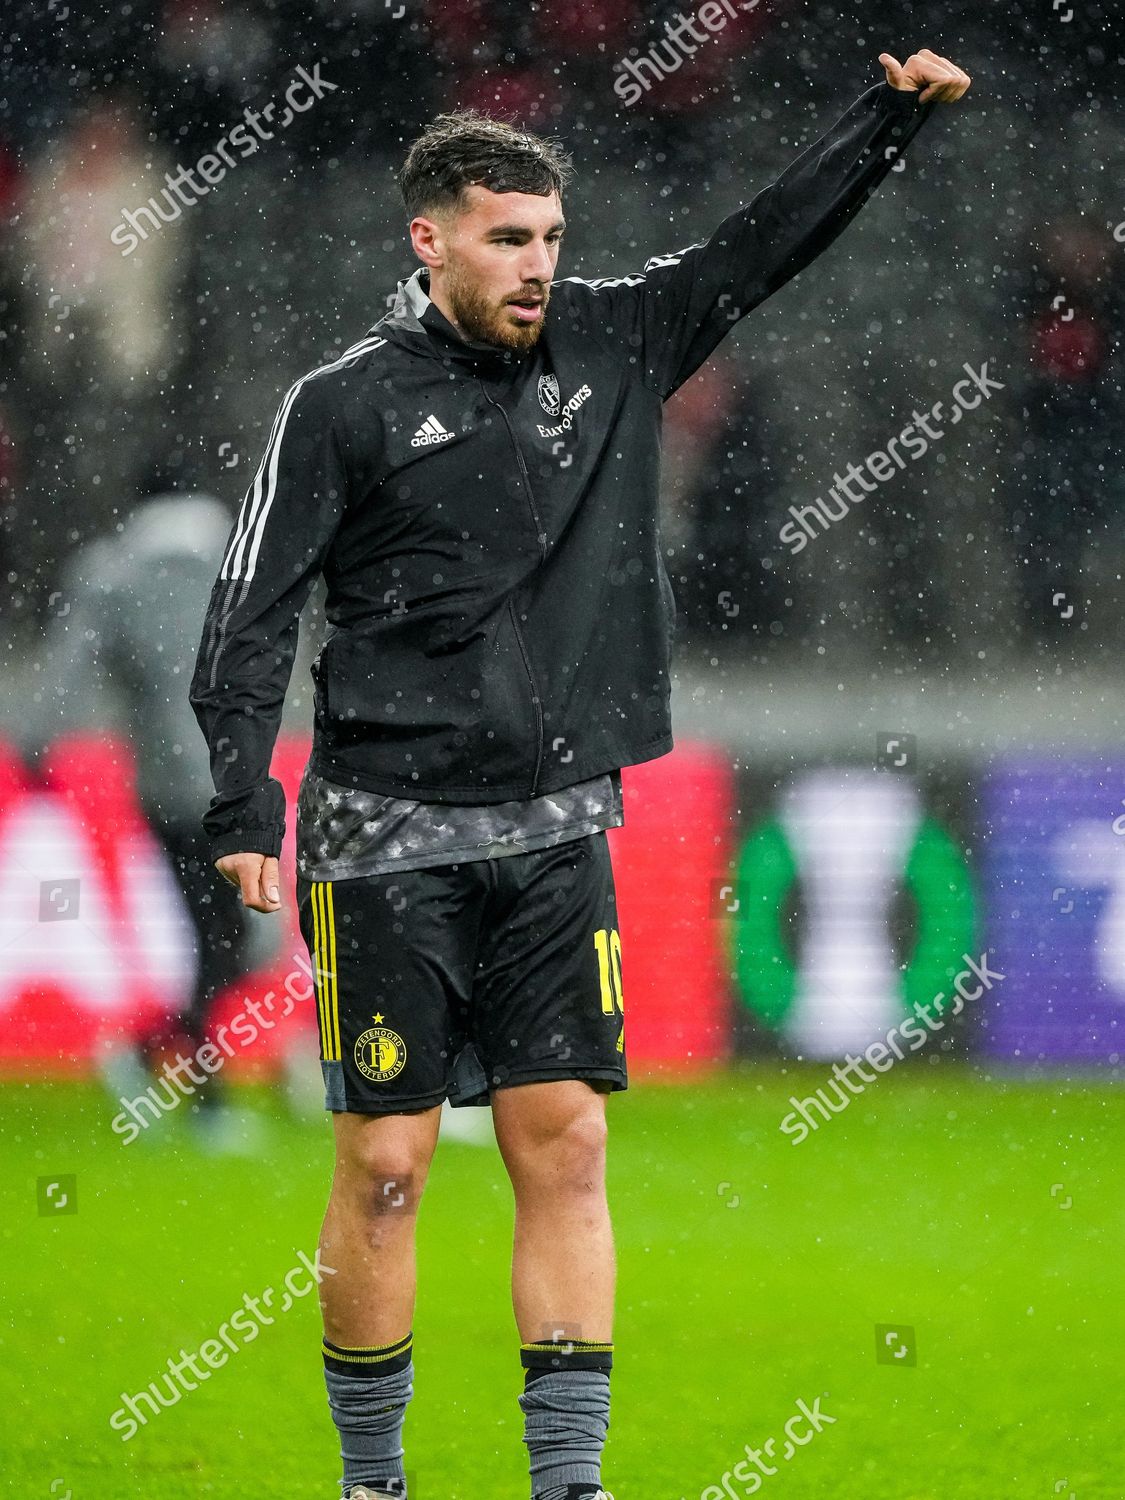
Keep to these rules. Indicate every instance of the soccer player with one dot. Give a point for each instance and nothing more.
(477, 481)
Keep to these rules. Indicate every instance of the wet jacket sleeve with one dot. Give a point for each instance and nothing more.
(274, 554)
(671, 316)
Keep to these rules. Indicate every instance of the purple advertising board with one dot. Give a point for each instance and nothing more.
(1054, 887)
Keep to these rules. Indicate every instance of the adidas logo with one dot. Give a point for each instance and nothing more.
(431, 431)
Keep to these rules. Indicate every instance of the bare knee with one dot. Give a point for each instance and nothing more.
(560, 1153)
(382, 1161)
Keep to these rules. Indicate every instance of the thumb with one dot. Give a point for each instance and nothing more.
(270, 881)
(894, 69)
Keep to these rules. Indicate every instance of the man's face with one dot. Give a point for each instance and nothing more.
(496, 259)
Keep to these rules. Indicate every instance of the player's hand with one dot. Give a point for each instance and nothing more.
(942, 82)
(256, 876)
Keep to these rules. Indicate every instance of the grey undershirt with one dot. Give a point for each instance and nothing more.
(345, 832)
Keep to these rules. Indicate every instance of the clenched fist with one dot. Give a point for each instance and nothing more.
(941, 81)
(256, 877)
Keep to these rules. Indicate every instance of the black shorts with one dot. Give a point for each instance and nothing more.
(452, 981)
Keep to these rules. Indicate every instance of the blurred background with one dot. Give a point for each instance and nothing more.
(898, 743)
(968, 608)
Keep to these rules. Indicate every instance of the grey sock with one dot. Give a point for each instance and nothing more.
(368, 1414)
(566, 1417)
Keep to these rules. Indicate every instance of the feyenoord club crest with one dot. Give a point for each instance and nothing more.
(549, 394)
(380, 1053)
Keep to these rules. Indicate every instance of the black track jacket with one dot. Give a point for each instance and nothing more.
(486, 522)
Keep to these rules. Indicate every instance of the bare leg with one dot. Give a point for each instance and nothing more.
(368, 1234)
(552, 1138)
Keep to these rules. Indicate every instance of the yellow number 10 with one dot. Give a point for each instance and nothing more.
(608, 944)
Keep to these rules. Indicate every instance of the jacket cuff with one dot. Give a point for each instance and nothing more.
(249, 841)
(902, 101)
(247, 822)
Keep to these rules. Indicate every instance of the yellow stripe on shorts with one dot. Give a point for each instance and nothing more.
(335, 996)
(318, 968)
(324, 967)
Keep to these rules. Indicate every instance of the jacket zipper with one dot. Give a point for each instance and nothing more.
(535, 703)
(541, 537)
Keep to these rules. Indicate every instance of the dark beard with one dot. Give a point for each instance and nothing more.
(480, 319)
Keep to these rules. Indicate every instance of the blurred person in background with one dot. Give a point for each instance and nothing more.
(1067, 489)
(120, 650)
(100, 166)
(102, 335)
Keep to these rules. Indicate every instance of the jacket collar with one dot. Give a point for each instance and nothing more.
(415, 317)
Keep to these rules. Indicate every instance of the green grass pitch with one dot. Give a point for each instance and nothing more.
(986, 1216)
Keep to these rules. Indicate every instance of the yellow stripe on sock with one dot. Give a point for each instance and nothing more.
(368, 1356)
(401, 1343)
(581, 1345)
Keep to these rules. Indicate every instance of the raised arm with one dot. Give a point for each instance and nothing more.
(670, 317)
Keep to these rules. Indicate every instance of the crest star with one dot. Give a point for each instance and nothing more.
(378, 1018)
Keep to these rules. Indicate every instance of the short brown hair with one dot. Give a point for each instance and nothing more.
(466, 147)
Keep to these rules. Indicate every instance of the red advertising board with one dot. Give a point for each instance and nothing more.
(95, 943)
